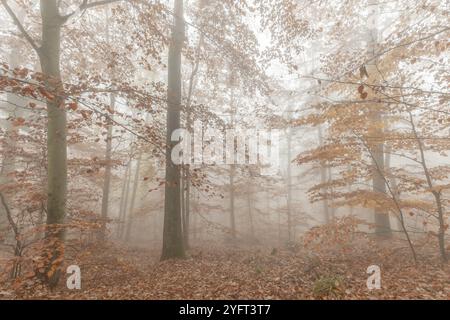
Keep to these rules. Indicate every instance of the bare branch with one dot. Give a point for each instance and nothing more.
(20, 26)
(98, 3)
(9, 216)
(86, 5)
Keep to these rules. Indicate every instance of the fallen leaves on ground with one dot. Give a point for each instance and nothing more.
(117, 272)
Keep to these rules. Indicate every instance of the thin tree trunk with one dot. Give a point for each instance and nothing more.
(8, 164)
(124, 201)
(393, 197)
(107, 179)
(391, 178)
(436, 193)
(250, 213)
(289, 185)
(232, 172)
(382, 222)
(187, 177)
(183, 204)
(187, 208)
(232, 216)
(330, 203)
(196, 198)
(15, 271)
(279, 228)
(133, 199)
(125, 205)
(323, 180)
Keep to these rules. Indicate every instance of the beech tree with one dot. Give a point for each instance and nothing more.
(173, 239)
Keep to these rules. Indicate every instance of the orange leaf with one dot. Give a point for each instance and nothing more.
(18, 121)
(73, 106)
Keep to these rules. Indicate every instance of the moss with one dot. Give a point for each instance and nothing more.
(328, 286)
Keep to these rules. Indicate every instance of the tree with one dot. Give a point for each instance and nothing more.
(382, 222)
(172, 236)
(107, 178)
(133, 199)
(49, 52)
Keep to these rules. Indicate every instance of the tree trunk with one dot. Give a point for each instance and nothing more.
(133, 199)
(182, 203)
(250, 213)
(436, 194)
(391, 178)
(8, 164)
(185, 205)
(381, 217)
(187, 175)
(323, 179)
(289, 185)
(172, 234)
(442, 227)
(15, 272)
(107, 179)
(393, 197)
(382, 222)
(330, 203)
(124, 201)
(187, 208)
(49, 55)
(232, 216)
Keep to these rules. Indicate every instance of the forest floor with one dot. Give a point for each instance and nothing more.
(118, 272)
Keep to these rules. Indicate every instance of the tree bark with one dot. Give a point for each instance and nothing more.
(381, 217)
(187, 208)
(172, 235)
(391, 178)
(133, 199)
(382, 222)
(323, 179)
(107, 179)
(8, 164)
(124, 201)
(187, 176)
(289, 185)
(250, 212)
(232, 216)
(49, 56)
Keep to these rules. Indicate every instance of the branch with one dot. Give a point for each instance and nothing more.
(405, 44)
(97, 3)
(20, 26)
(376, 86)
(391, 192)
(9, 216)
(86, 5)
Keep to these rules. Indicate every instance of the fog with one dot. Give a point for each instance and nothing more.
(262, 149)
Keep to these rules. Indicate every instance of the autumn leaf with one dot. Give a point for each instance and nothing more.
(73, 106)
(361, 89)
(363, 72)
(18, 121)
(46, 94)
